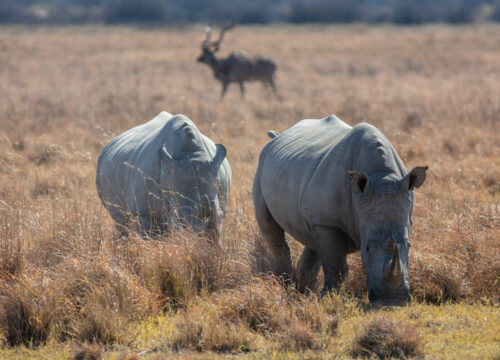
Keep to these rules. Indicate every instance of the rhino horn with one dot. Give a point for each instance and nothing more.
(205, 208)
(213, 226)
(165, 156)
(220, 154)
(393, 273)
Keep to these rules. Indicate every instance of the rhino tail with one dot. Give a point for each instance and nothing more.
(272, 133)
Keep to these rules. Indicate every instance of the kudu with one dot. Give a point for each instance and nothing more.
(237, 67)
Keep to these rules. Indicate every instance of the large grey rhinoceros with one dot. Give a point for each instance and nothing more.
(163, 174)
(338, 189)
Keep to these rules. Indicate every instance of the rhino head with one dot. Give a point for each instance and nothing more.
(384, 208)
(192, 191)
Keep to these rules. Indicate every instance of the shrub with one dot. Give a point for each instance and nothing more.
(202, 330)
(98, 305)
(27, 314)
(385, 338)
(88, 352)
(260, 305)
(434, 280)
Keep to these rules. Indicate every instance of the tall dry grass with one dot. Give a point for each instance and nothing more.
(64, 272)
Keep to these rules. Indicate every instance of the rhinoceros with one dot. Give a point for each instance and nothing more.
(163, 174)
(337, 189)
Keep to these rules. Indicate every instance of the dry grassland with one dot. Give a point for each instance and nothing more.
(68, 280)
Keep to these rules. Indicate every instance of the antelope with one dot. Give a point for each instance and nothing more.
(238, 67)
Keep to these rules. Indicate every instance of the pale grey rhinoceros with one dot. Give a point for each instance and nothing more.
(338, 189)
(163, 174)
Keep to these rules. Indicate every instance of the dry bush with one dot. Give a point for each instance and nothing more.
(204, 330)
(184, 264)
(436, 280)
(297, 337)
(262, 305)
(307, 324)
(27, 313)
(88, 352)
(385, 338)
(153, 262)
(226, 323)
(98, 305)
(231, 320)
(266, 306)
(11, 260)
(173, 293)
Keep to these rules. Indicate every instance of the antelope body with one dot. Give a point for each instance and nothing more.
(238, 67)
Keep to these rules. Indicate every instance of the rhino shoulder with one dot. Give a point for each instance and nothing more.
(366, 129)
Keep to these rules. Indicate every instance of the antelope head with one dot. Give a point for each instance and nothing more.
(209, 48)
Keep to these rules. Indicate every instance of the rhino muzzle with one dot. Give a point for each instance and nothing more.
(385, 299)
(392, 290)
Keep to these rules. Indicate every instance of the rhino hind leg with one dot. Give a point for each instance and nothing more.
(274, 237)
(307, 269)
(330, 244)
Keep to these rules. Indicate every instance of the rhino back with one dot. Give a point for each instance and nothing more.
(287, 164)
(128, 167)
(327, 199)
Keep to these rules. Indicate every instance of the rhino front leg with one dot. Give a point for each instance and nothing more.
(149, 226)
(307, 269)
(330, 244)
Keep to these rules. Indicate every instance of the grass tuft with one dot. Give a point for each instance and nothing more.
(98, 305)
(385, 338)
(27, 314)
(88, 352)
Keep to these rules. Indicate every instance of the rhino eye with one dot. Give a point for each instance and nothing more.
(367, 247)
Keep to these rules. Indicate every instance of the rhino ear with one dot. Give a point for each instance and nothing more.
(359, 181)
(272, 134)
(165, 156)
(220, 154)
(415, 178)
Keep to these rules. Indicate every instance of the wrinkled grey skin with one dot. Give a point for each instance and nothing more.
(337, 189)
(163, 174)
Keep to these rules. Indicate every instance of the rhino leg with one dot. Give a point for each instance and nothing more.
(307, 269)
(149, 226)
(121, 219)
(330, 244)
(146, 225)
(274, 236)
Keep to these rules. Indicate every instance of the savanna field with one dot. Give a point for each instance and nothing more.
(71, 287)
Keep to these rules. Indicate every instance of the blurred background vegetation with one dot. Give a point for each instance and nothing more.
(178, 12)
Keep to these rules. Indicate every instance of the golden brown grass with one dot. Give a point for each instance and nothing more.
(65, 275)
(386, 339)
